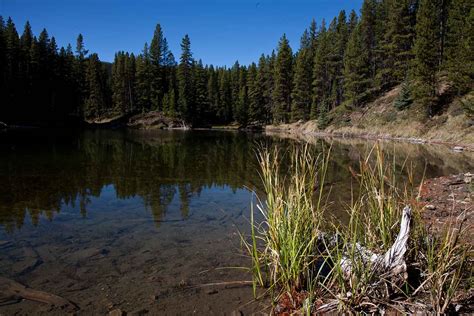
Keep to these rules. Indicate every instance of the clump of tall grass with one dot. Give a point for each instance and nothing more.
(291, 217)
(289, 248)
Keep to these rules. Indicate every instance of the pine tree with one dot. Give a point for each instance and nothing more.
(118, 86)
(266, 77)
(26, 40)
(353, 21)
(224, 114)
(398, 41)
(323, 119)
(367, 26)
(143, 80)
(80, 72)
(442, 20)
(357, 80)
(201, 113)
(185, 82)
(426, 61)
(158, 53)
(123, 82)
(235, 87)
(12, 49)
(242, 101)
(169, 103)
(380, 77)
(95, 102)
(460, 45)
(301, 94)
(341, 36)
(321, 81)
(80, 48)
(255, 95)
(283, 81)
(213, 93)
(313, 34)
(403, 99)
(66, 83)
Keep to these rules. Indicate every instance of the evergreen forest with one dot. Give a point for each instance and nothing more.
(345, 62)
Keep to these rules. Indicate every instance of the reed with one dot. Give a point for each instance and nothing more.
(291, 217)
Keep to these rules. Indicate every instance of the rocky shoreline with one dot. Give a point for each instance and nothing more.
(448, 201)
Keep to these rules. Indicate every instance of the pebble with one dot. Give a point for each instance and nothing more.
(430, 207)
(117, 312)
(468, 177)
(458, 148)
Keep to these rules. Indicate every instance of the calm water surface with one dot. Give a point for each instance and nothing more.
(144, 221)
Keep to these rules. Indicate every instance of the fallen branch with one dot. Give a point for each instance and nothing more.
(11, 291)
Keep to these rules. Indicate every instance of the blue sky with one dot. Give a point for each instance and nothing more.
(220, 31)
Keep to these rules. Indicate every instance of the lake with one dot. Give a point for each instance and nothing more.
(148, 222)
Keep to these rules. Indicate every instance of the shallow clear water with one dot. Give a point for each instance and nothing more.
(144, 221)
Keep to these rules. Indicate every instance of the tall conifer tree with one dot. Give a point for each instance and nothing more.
(425, 64)
(460, 45)
(357, 80)
(185, 81)
(301, 94)
(283, 81)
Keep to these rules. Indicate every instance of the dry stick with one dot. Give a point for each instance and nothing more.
(221, 283)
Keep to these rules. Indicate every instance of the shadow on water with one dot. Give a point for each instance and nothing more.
(111, 218)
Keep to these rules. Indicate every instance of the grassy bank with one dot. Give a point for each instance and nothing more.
(380, 119)
(311, 262)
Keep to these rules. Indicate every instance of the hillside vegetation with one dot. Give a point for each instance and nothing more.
(381, 119)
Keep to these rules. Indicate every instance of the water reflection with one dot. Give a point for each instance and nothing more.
(45, 172)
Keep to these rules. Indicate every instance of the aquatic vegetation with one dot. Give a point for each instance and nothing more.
(311, 262)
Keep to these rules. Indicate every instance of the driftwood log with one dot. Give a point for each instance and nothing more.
(12, 291)
(393, 260)
(389, 264)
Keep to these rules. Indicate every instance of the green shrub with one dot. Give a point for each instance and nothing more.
(403, 99)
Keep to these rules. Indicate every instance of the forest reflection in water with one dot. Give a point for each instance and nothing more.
(43, 172)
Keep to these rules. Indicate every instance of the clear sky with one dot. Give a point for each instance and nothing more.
(221, 31)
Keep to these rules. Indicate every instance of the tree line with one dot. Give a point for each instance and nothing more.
(344, 63)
